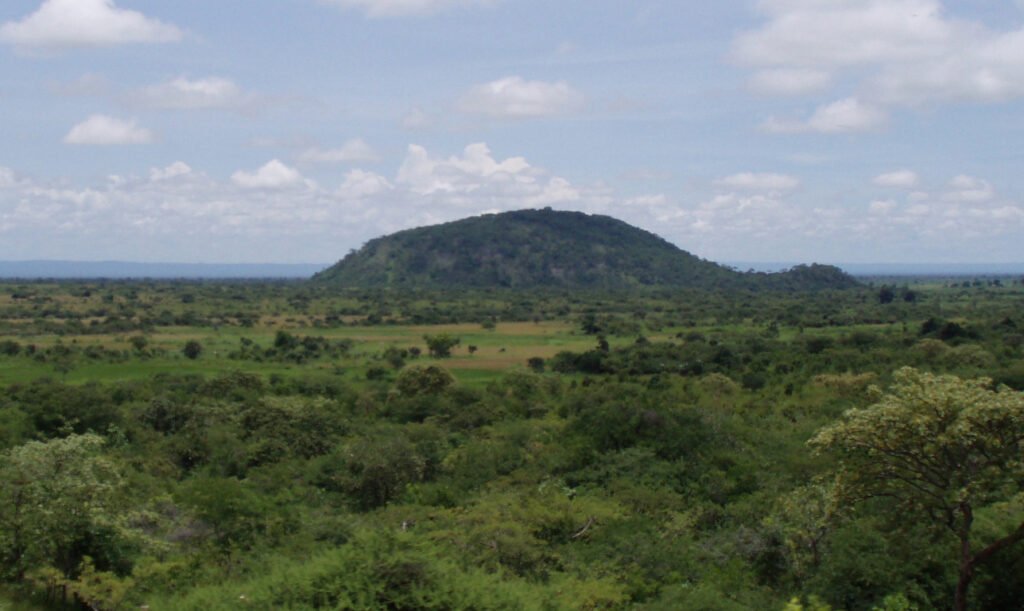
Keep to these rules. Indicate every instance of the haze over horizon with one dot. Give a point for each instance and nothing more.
(777, 130)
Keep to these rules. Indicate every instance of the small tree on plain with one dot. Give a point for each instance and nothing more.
(440, 346)
(192, 349)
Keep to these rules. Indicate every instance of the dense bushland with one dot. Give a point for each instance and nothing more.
(663, 464)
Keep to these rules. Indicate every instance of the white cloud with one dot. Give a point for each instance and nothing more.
(6, 177)
(175, 170)
(361, 184)
(272, 175)
(901, 53)
(355, 150)
(790, 81)
(882, 207)
(180, 213)
(843, 116)
(901, 179)
(735, 216)
(63, 24)
(751, 181)
(968, 189)
(513, 97)
(185, 94)
(425, 175)
(105, 130)
(839, 33)
(404, 8)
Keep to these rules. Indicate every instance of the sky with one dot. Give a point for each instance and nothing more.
(286, 131)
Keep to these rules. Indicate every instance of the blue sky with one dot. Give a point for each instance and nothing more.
(293, 131)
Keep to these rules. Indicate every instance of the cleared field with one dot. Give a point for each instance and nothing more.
(507, 346)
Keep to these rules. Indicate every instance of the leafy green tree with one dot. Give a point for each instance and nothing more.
(192, 349)
(440, 346)
(428, 380)
(55, 497)
(942, 446)
(589, 325)
(536, 364)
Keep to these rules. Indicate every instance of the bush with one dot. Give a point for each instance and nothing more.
(192, 349)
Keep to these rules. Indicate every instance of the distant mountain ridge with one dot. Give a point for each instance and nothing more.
(52, 269)
(548, 248)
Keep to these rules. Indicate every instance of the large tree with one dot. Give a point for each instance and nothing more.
(941, 446)
(55, 497)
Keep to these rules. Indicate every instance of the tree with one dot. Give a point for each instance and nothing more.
(429, 380)
(942, 447)
(589, 324)
(440, 346)
(192, 349)
(55, 498)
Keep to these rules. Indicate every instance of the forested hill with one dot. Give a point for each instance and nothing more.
(547, 248)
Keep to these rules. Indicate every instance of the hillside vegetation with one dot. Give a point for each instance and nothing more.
(547, 248)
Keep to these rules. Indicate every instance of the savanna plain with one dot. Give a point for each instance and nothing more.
(284, 445)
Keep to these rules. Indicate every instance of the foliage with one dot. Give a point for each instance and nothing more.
(57, 504)
(192, 349)
(440, 346)
(544, 248)
(941, 446)
(311, 458)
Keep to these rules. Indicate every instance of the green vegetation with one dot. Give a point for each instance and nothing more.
(659, 448)
(547, 248)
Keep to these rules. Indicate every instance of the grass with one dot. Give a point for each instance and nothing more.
(506, 347)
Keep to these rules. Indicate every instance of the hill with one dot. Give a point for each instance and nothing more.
(547, 248)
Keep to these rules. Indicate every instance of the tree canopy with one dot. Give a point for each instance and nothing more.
(939, 445)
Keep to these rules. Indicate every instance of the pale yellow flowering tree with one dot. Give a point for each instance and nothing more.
(941, 446)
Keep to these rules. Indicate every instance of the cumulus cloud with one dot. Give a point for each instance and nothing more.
(969, 189)
(513, 97)
(273, 214)
(175, 170)
(104, 130)
(752, 181)
(64, 24)
(896, 53)
(404, 8)
(353, 151)
(362, 184)
(272, 175)
(900, 179)
(736, 216)
(843, 116)
(183, 93)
